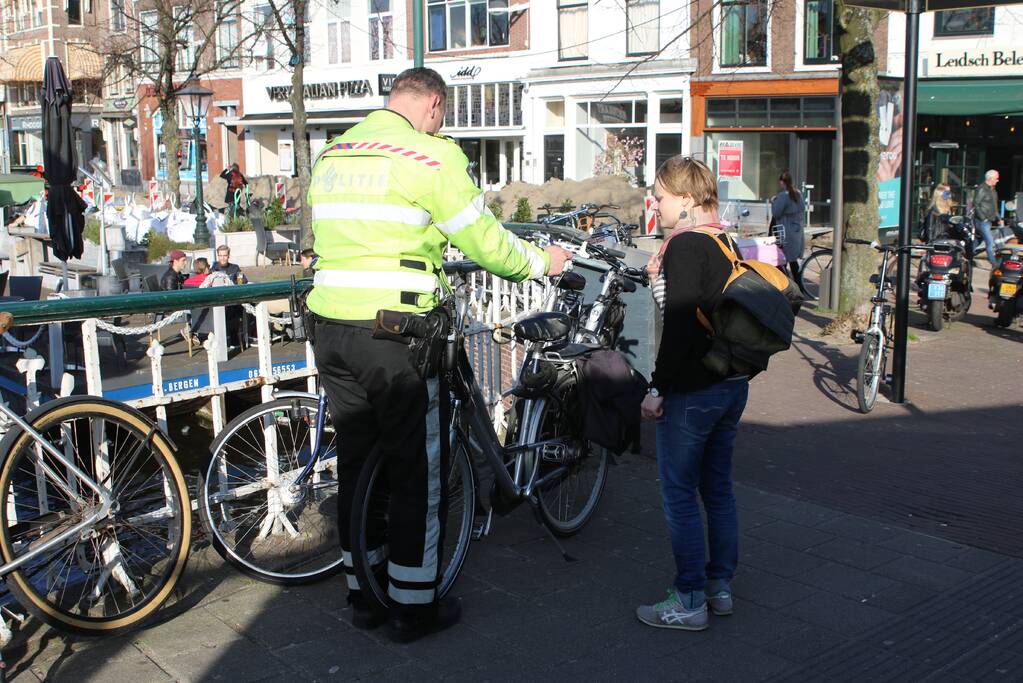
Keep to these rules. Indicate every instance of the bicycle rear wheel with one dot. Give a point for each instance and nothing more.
(257, 519)
(567, 503)
(370, 519)
(869, 372)
(811, 270)
(112, 577)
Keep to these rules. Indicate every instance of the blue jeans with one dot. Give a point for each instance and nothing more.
(984, 228)
(695, 438)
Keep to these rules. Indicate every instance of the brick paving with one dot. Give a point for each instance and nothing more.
(881, 547)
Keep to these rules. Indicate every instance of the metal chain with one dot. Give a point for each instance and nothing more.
(216, 279)
(18, 344)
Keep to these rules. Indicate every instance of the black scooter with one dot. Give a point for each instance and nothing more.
(944, 282)
(1005, 289)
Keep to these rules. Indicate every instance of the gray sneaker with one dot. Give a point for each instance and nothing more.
(720, 603)
(672, 613)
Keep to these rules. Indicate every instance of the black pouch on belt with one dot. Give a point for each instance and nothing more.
(426, 335)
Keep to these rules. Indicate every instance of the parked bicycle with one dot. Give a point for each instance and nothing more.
(95, 519)
(879, 337)
(267, 497)
(544, 460)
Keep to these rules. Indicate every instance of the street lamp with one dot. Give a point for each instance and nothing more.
(197, 102)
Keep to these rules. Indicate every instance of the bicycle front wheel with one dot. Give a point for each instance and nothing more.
(568, 502)
(370, 524)
(257, 517)
(811, 270)
(869, 372)
(115, 574)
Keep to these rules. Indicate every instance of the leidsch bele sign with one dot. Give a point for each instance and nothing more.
(973, 61)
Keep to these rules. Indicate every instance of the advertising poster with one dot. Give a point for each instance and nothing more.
(889, 168)
(730, 159)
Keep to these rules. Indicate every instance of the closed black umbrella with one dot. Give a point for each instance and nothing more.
(64, 208)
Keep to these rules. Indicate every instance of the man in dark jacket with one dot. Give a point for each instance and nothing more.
(985, 206)
(174, 276)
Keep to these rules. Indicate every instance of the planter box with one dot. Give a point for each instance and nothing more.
(242, 245)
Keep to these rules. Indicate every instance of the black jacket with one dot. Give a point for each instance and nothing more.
(985, 203)
(171, 279)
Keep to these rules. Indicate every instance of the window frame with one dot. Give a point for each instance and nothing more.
(574, 4)
(380, 42)
(81, 12)
(264, 29)
(767, 124)
(630, 29)
(832, 57)
(445, 6)
(719, 62)
(225, 60)
(941, 32)
(150, 40)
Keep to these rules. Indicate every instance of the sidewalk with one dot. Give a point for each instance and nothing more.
(879, 547)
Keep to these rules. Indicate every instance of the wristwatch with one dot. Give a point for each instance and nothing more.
(653, 392)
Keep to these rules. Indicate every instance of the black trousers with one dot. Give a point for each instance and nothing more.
(378, 400)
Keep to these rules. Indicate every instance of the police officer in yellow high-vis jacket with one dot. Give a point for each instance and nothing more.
(386, 197)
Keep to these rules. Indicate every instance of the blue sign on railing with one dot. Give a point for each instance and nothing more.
(193, 382)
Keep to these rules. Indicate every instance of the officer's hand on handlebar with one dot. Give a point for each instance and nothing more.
(559, 257)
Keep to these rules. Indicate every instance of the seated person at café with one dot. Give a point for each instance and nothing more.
(308, 259)
(174, 276)
(200, 271)
(224, 265)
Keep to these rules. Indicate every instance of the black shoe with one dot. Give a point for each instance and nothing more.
(411, 625)
(363, 616)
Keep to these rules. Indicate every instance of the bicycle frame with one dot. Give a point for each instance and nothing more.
(105, 505)
(321, 411)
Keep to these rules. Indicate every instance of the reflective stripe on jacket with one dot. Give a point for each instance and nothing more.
(385, 200)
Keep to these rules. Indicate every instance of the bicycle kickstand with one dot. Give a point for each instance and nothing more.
(539, 520)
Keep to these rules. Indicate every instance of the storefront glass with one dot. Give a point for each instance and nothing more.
(604, 132)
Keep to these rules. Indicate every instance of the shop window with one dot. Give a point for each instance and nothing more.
(604, 126)
(573, 29)
(667, 146)
(449, 108)
(460, 24)
(779, 112)
(671, 110)
(74, 12)
(116, 15)
(516, 104)
(476, 119)
(489, 105)
(965, 22)
(381, 30)
(819, 32)
(553, 157)
(642, 22)
(743, 33)
(19, 148)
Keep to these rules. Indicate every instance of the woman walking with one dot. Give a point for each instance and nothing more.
(936, 223)
(788, 209)
(697, 411)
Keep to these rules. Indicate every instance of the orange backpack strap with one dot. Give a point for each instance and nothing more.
(732, 258)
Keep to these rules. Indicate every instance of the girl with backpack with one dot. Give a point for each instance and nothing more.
(697, 411)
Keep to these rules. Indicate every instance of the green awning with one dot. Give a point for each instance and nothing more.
(970, 96)
(17, 188)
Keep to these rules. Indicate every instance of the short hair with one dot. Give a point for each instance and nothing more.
(990, 174)
(223, 248)
(308, 253)
(200, 263)
(681, 175)
(420, 81)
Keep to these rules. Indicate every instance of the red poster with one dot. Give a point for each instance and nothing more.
(730, 159)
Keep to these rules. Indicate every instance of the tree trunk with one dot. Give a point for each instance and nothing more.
(860, 152)
(299, 136)
(170, 142)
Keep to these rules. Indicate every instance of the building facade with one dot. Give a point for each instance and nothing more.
(969, 99)
(31, 31)
(765, 98)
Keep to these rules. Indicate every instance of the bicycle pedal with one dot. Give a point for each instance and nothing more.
(857, 336)
(482, 528)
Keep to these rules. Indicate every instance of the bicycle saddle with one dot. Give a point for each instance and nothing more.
(543, 327)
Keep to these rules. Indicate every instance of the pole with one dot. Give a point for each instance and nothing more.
(202, 234)
(906, 218)
(417, 33)
(837, 215)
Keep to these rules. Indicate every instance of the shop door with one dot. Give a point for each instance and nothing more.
(815, 170)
